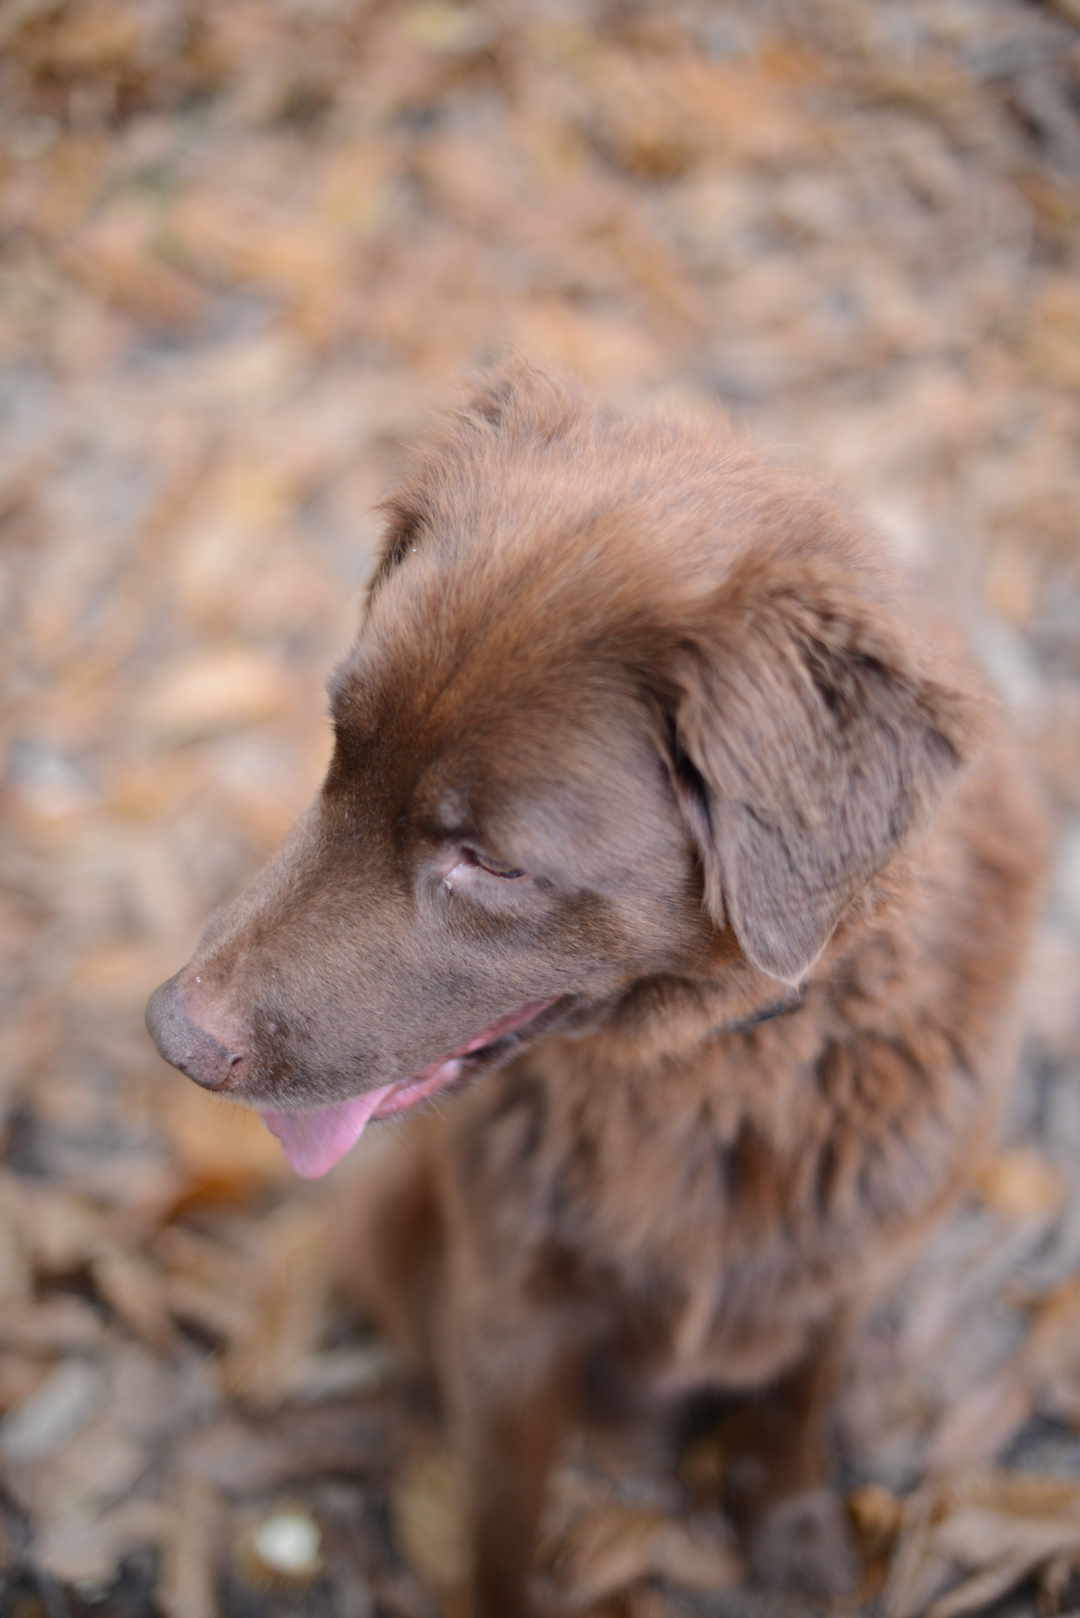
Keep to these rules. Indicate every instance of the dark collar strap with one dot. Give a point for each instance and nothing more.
(793, 1001)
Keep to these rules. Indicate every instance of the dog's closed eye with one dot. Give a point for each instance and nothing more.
(488, 863)
(474, 863)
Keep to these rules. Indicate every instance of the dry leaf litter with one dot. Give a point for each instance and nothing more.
(245, 249)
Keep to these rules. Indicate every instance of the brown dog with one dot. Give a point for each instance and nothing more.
(643, 743)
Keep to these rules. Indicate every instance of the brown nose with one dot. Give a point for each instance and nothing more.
(185, 1045)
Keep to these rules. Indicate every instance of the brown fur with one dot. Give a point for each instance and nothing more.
(734, 753)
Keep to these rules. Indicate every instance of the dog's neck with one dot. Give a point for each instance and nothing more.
(676, 1016)
(792, 1001)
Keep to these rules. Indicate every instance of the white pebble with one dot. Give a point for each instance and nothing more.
(289, 1542)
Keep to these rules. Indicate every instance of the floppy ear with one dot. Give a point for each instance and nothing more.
(809, 738)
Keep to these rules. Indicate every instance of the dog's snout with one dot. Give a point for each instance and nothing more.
(187, 1046)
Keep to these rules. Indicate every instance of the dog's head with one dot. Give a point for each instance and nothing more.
(627, 704)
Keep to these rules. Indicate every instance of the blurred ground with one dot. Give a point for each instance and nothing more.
(245, 249)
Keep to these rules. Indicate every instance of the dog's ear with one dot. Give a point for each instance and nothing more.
(808, 736)
(494, 392)
(516, 397)
(512, 402)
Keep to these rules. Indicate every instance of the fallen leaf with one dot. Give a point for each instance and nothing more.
(187, 1584)
(223, 1151)
(656, 115)
(215, 691)
(116, 255)
(290, 1279)
(1022, 1183)
(338, 1372)
(14, 1258)
(1052, 335)
(51, 1325)
(607, 1549)
(207, 1283)
(20, 1374)
(604, 352)
(877, 1514)
(132, 1286)
(58, 1408)
(983, 1421)
(971, 1538)
(1052, 1352)
(457, 30)
(427, 1502)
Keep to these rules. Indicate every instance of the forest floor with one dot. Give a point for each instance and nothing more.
(245, 251)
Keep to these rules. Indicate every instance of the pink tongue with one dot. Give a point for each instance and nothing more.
(316, 1137)
(313, 1138)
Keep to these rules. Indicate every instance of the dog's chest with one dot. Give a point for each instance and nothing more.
(748, 1193)
(701, 1197)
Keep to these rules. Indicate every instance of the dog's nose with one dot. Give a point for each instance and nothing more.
(187, 1046)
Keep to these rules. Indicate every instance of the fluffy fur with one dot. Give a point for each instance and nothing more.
(642, 726)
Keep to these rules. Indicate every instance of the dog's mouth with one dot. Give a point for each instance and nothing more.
(315, 1138)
